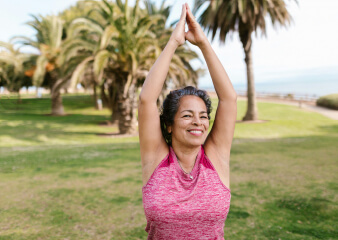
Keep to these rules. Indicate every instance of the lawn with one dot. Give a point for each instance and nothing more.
(61, 179)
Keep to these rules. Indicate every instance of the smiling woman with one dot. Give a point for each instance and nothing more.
(185, 169)
(184, 101)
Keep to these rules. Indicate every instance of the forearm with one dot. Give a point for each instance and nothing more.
(153, 84)
(221, 81)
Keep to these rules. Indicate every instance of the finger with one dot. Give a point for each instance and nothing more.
(184, 12)
(189, 14)
(186, 35)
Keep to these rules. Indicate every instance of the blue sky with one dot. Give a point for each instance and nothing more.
(310, 44)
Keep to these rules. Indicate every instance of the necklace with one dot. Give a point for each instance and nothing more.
(191, 177)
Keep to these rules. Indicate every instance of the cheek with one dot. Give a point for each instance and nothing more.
(207, 124)
(184, 123)
(180, 124)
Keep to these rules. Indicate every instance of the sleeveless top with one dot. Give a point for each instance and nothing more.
(178, 206)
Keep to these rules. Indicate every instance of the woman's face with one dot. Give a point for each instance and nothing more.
(191, 122)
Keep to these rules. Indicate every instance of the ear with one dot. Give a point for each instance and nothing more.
(169, 129)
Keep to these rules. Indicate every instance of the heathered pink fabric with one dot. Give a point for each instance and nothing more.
(177, 207)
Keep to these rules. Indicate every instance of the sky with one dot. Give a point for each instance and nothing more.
(308, 46)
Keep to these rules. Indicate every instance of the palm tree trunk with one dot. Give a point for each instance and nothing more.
(251, 113)
(95, 95)
(105, 101)
(115, 108)
(127, 110)
(57, 107)
(19, 97)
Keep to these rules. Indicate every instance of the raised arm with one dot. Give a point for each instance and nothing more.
(220, 137)
(152, 143)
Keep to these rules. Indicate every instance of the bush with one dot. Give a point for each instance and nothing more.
(328, 101)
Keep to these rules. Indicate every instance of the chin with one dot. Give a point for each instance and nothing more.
(197, 143)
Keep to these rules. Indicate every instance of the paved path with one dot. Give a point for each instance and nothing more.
(333, 114)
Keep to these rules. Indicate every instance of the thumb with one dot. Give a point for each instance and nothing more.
(187, 36)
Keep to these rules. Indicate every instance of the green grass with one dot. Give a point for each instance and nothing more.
(29, 124)
(60, 180)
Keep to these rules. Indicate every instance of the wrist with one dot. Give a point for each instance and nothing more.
(173, 43)
(204, 44)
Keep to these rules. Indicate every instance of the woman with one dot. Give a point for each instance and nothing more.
(185, 170)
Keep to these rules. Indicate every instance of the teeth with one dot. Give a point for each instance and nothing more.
(196, 131)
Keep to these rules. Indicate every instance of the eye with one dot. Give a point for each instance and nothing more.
(186, 116)
(204, 117)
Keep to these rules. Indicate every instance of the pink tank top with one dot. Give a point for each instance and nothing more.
(180, 206)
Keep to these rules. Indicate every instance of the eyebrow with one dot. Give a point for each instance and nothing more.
(193, 111)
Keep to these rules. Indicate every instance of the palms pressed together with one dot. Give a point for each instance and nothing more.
(194, 35)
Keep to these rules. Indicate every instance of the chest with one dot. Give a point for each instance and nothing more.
(204, 200)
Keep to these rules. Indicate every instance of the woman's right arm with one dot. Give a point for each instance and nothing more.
(152, 142)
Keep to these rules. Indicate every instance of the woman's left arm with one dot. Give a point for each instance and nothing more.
(220, 137)
(222, 131)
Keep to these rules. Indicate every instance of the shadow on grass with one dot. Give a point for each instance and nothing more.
(236, 213)
(43, 105)
(330, 129)
(302, 216)
(31, 118)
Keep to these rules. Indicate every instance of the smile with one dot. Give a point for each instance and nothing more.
(196, 133)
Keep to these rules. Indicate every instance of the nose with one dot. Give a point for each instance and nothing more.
(196, 120)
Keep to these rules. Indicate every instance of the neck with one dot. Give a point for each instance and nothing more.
(186, 156)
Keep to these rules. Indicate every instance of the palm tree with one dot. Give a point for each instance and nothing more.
(14, 68)
(116, 49)
(120, 48)
(97, 40)
(141, 37)
(245, 17)
(89, 43)
(49, 64)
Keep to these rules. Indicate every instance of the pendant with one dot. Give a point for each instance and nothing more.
(191, 177)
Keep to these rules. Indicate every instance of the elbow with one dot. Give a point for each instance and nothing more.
(142, 99)
(230, 99)
(141, 96)
(233, 96)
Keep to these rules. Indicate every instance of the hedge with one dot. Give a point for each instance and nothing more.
(328, 101)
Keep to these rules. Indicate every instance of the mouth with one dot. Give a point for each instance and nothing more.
(196, 132)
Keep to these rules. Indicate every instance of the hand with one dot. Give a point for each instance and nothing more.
(178, 35)
(195, 35)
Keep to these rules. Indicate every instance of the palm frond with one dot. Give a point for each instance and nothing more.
(100, 61)
(84, 24)
(79, 70)
(227, 16)
(40, 70)
(109, 32)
